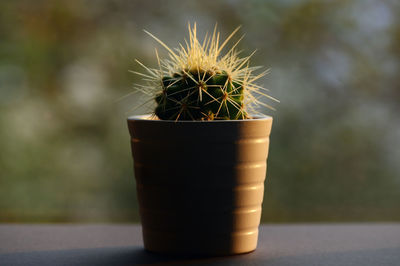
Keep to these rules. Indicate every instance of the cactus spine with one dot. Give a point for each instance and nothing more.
(196, 83)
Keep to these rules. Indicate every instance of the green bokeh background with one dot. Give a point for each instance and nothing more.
(64, 144)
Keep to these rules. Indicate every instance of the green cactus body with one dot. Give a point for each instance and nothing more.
(200, 95)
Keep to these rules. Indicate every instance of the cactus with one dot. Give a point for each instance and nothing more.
(196, 83)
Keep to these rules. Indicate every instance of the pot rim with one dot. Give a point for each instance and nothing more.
(146, 117)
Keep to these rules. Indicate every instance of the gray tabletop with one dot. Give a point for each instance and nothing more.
(333, 244)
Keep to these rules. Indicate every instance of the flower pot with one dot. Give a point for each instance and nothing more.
(200, 184)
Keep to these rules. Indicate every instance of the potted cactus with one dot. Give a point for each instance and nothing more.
(200, 157)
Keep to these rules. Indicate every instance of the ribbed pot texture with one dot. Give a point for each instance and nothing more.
(200, 184)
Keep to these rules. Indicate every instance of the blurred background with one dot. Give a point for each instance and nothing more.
(64, 143)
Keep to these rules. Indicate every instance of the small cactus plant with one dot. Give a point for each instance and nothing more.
(197, 83)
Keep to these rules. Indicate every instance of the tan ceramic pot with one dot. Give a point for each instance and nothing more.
(200, 185)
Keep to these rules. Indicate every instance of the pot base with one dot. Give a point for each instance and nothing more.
(199, 243)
